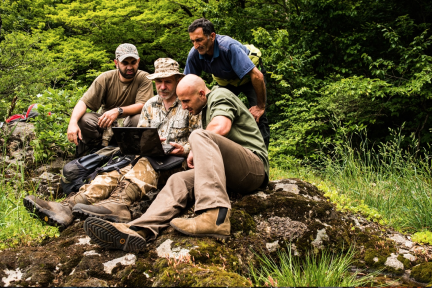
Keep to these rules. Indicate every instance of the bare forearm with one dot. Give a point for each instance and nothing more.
(132, 109)
(78, 112)
(258, 83)
(220, 125)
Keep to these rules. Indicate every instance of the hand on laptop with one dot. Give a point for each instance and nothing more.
(162, 139)
(178, 150)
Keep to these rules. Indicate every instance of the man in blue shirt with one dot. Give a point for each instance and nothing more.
(228, 61)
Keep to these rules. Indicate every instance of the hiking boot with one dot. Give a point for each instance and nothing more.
(212, 223)
(115, 208)
(54, 213)
(114, 235)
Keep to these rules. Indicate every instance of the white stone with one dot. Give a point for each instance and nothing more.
(261, 194)
(321, 235)
(393, 262)
(271, 247)
(128, 259)
(402, 241)
(375, 259)
(91, 253)
(164, 250)
(147, 275)
(403, 251)
(293, 188)
(13, 275)
(410, 257)
(84, 241)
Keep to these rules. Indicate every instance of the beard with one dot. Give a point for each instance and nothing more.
(125, 75)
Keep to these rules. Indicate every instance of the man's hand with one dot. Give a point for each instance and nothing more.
(162, 139)
(190, 160)
(73, 133)
(108, 118)
(257, 112)
(178, 150)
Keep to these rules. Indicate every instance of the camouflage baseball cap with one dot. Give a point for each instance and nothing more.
(126, 50)
(165, 67)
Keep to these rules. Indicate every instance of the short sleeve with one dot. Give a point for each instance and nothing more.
(145, 90)
(223, 107)
(192, 65)
(240, 62)
(94, 95)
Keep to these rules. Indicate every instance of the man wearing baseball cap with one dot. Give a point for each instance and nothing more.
(110, 194)
(121, 93)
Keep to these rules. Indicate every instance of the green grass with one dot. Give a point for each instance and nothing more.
(17, 227)
(387, 183)
(324, 270)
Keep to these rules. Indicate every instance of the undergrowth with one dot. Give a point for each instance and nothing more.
(386, 183)
(324, 270)
(17, 227)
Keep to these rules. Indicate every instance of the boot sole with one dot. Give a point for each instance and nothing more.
(217, 236)
(43, 214)
(83, 215)
(108, 236)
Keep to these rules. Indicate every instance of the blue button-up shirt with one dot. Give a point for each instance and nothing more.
(229, 61)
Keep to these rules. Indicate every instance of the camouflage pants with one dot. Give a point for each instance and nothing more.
(142, 174)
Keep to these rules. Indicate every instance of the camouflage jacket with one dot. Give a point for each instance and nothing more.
(175, 124)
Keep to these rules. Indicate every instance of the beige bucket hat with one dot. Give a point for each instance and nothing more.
(165, 67)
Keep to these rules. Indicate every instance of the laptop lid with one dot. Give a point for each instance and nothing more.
(143, 141)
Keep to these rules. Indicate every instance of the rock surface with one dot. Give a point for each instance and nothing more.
(266, 221)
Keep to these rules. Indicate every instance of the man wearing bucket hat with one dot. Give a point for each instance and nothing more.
(110, 194)
(120, 93)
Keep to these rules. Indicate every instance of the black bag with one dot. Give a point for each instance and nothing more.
(165, 162)
(82, 170)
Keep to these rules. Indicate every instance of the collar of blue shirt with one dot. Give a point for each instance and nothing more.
(215, 50)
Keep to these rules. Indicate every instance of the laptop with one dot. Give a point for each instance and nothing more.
(143, 141)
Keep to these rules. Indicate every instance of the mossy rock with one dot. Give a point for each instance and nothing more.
(189, 275)
(241, 221)
(422, 273)
(405, 261)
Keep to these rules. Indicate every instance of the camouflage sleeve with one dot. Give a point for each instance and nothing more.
(194, 123)
(145, 117)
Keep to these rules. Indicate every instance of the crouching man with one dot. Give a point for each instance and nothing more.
(229, 153)
(110, 194)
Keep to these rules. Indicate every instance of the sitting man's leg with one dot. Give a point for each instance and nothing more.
(60, 213)
(171, 200)
(135, 184)
(90, 131)
(131, 121)
(219, 163)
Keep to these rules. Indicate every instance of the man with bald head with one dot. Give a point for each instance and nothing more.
(229, 153)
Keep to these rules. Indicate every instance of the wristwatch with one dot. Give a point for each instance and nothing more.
(120, 110)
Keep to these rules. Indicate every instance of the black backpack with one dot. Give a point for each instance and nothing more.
(83, 170)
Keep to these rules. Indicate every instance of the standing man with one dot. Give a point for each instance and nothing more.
(229, 153)
(229, 63)
(120, 93)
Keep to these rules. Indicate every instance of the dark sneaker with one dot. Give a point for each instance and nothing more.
(114, 235)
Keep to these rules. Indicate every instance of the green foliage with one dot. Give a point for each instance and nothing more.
(324, 270)
(26, 68)
(17, 227)
(423, 237)
(54, 107)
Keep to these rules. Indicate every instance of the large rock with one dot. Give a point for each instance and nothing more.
(291, 212)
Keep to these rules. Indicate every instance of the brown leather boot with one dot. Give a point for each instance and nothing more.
(54, 213)
(115, 208)
(212, 223)
(115, 235)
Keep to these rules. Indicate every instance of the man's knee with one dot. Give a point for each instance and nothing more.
(131, 121)
(199, 134)
(88, 120)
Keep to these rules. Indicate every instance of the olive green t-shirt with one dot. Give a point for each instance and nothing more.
(244, 129)
(109, 92)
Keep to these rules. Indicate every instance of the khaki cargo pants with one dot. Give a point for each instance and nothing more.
(219, 164)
